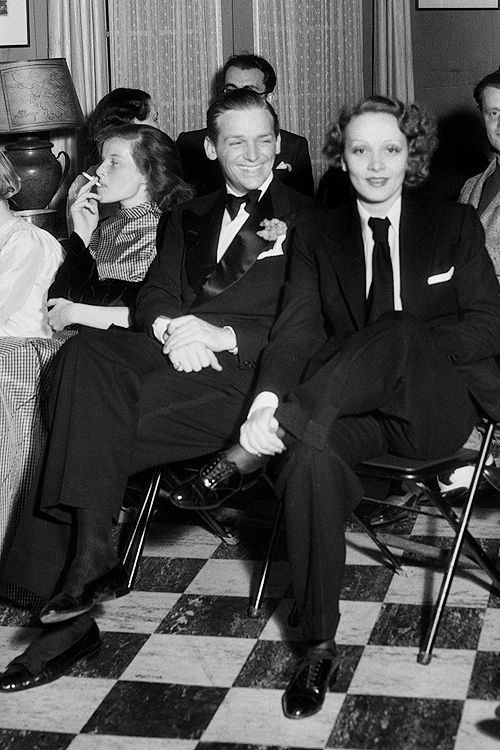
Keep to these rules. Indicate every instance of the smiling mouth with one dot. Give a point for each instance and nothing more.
(377, 181)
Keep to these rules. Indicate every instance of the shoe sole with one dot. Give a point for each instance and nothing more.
(53, 617)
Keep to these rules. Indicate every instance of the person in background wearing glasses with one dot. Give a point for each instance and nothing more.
(292, 165)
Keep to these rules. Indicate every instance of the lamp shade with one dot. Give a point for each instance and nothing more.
(37, 95)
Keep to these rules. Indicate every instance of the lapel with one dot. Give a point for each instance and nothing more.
(201, 236)
(346, 255)
(416, 250)
(245, 247)
(475, 195)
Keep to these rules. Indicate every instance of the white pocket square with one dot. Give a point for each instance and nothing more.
(276, 249)
(284, 165)
(440, 277)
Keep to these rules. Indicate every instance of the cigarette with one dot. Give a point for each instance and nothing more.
(94, 179)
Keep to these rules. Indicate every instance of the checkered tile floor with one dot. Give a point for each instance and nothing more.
(184, 668)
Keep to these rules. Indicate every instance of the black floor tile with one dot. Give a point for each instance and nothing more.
(366, 582)
(485, 680)
(21, 739)
(144, 709)
(118, 650)
(167, 574)
(367, 721)
(219, 616)
(408, 624)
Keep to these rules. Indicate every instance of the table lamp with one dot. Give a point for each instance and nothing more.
(37, 95)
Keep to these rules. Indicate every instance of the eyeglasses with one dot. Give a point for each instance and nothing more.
(231, 87)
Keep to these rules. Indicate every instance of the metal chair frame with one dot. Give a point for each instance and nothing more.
(425, 474)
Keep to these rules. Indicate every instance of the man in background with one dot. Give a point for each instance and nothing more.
(292, 165)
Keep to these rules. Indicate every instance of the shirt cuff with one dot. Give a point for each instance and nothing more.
(159, 327)
(262, 400)
(235, 349)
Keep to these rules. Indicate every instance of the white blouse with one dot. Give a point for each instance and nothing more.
(29, 259)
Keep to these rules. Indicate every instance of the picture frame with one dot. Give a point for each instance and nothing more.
(14, 23)
(456, 4)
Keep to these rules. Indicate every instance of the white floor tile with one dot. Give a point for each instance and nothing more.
(360, 550)
(138, 612)
(190, 660)
(14, 641)
(384, 670)
(62, 706)
(356, 622)
(470, 588)
(112, 742)
(480, 726)
(277, 628)
(251, 716)
(490, 634)
(235, 578)
(166, 540)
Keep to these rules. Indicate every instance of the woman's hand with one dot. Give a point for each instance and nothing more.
(61, 313)
(193, 358)
(85, 212)
(258, 433)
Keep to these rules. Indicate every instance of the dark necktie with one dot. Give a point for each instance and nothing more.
(233, 202)
(491, 189)
(381, 296)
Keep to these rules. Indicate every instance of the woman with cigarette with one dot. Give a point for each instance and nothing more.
(106, 263)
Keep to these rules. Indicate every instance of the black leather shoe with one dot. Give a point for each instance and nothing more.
(18, 677)
(314, 674)
(209, 488)
(110, 585)
(395, 507)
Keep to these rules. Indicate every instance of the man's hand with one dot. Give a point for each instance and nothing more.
(188, 329)
(192, 358)
(61, 313)
(258, 433)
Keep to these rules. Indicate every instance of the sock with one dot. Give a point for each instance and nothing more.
(95, 551)
(245, 462)
(52, 641)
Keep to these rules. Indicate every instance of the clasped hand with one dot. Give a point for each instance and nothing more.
(191, 343)
(258, 435)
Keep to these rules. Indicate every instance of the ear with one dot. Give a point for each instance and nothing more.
(210, 149)
(271, 98)
(278, 144)
(343, 164)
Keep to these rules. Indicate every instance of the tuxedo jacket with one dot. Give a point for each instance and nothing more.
(447, 282)
(185, 277)
(292, 165)
(490, 218)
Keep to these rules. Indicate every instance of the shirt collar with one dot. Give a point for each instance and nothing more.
(262, 187)
(393, 214)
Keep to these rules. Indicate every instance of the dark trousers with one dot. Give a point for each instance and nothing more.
(117, 407)
(389, 389)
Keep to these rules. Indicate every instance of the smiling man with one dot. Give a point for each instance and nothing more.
(123, 401)
(292, 165)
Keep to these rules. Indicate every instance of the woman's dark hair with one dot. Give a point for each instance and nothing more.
(119, 107)
(157, 158)
(414, 121)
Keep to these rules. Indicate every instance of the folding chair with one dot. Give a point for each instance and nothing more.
(425, 474)
(169, 476)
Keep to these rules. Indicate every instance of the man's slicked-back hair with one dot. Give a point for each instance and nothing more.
(249, 62)
(492, 79)
(240, 99)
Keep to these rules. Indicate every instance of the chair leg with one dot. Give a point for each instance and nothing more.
(137, 537)
(217, 528)
(425, 654)
(390, 559)
(254, 607)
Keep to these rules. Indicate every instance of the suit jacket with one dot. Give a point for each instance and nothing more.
(447, 282)
(490, 218)
(179, 277)
(292, 165)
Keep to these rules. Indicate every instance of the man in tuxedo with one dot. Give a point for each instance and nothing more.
(292, 165)
(483, 190)
(410, 303)
(122, 401)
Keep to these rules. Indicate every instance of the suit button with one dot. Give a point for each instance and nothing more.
(249, 363)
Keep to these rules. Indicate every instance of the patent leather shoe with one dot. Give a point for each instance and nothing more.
(18, 677)
(64, 606)
(314, 674)
(215, 483)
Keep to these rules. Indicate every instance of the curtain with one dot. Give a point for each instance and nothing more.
(77, 31)
(170, 49)
(392, 51)
(316, 47)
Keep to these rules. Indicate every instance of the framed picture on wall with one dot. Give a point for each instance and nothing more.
(457, 4)
(14, 23)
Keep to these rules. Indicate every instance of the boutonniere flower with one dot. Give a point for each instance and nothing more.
(273, 228)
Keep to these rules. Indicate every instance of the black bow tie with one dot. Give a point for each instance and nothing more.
(233, 202)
